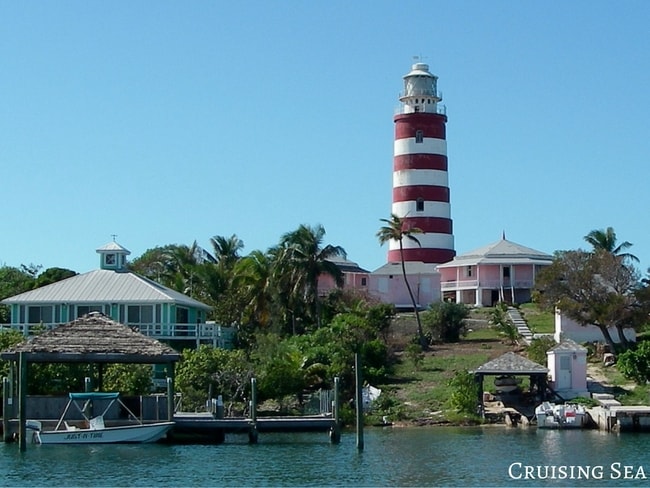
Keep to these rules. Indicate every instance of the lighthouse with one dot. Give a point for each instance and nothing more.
(420, 178)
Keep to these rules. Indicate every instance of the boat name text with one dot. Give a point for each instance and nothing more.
(84, 435)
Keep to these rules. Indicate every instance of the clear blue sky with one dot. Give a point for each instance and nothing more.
(166, 122)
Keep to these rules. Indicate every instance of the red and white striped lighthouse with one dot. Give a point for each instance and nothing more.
(420, 179)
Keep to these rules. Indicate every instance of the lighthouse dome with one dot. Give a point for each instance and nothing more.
(419, 69)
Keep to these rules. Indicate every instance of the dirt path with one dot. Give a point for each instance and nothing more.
(599, 382)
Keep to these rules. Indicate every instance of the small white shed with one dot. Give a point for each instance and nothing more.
(567, 364)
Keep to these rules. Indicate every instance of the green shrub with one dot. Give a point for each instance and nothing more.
(538, 348)
(414, 354)
(445, 321)
(500, 320)
(634, 364)
(464, 394)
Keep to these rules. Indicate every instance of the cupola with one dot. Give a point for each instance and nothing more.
(113, 256)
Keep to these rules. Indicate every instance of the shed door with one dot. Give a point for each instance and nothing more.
(564, 374)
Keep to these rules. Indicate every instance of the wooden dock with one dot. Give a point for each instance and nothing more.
(205, 428)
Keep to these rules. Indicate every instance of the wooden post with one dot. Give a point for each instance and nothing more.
(478, 378)
(252, 433)
(170, 399)
(335, 432)
(12, 388)
(5, 410)
(359, 400)
(22, 400)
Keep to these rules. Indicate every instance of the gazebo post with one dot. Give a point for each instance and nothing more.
(479, 382)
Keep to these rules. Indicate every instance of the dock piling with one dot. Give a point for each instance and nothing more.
(359, 400)
(252, 432)
(5, 410)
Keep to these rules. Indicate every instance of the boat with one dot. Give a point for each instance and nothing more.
(96, 431)
(506, 383)
(561, 416)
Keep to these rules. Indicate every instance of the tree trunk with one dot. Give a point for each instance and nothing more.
(423, 340)
(608, 338)
(621, 337)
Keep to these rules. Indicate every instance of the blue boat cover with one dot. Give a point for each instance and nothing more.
(93, 396)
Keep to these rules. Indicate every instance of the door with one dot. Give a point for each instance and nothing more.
(564, 374)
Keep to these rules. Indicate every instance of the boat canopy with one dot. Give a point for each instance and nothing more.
(93, 396)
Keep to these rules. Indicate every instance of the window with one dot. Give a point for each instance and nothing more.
(419, 205)
(86, 309)
(140, 314)
(110, 259)
(565, 363)
(36, 315)
(419, 136)
(363, 281)
(469, 271)
(506, 272)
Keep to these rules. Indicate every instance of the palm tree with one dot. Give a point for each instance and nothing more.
(181, 262)
(253, 277)
(395, 229)
(304, 258)
(605, 240)
(226, 249)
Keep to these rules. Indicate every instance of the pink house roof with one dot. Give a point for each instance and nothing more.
(500, 252)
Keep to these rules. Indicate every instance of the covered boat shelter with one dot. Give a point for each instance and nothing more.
(93, 339)
(511, 364)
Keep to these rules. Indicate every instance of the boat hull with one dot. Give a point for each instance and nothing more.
(108, 435)
(561, 416)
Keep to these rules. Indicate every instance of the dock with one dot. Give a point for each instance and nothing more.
(205, 428)
(621, 418)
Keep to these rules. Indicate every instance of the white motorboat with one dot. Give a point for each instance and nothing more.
(564, 416)
(97, 432)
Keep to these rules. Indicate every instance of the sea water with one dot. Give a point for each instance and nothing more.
(433, 456)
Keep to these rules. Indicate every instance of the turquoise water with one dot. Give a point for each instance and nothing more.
(440, 456)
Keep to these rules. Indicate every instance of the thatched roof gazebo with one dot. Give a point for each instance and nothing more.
(95, 339)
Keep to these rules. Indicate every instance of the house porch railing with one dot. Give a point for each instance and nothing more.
(216, 334)
(489, 284)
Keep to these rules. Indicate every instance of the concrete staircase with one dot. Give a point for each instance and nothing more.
(520, 324)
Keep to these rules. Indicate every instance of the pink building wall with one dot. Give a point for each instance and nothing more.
(392, 289)
(356, 281)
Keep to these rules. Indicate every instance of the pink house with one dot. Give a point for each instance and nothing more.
(354, 277)
(501, 271)
(386, 284)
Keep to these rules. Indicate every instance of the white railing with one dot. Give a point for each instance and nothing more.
(197, 332)
(439, 109)
(466, 284)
